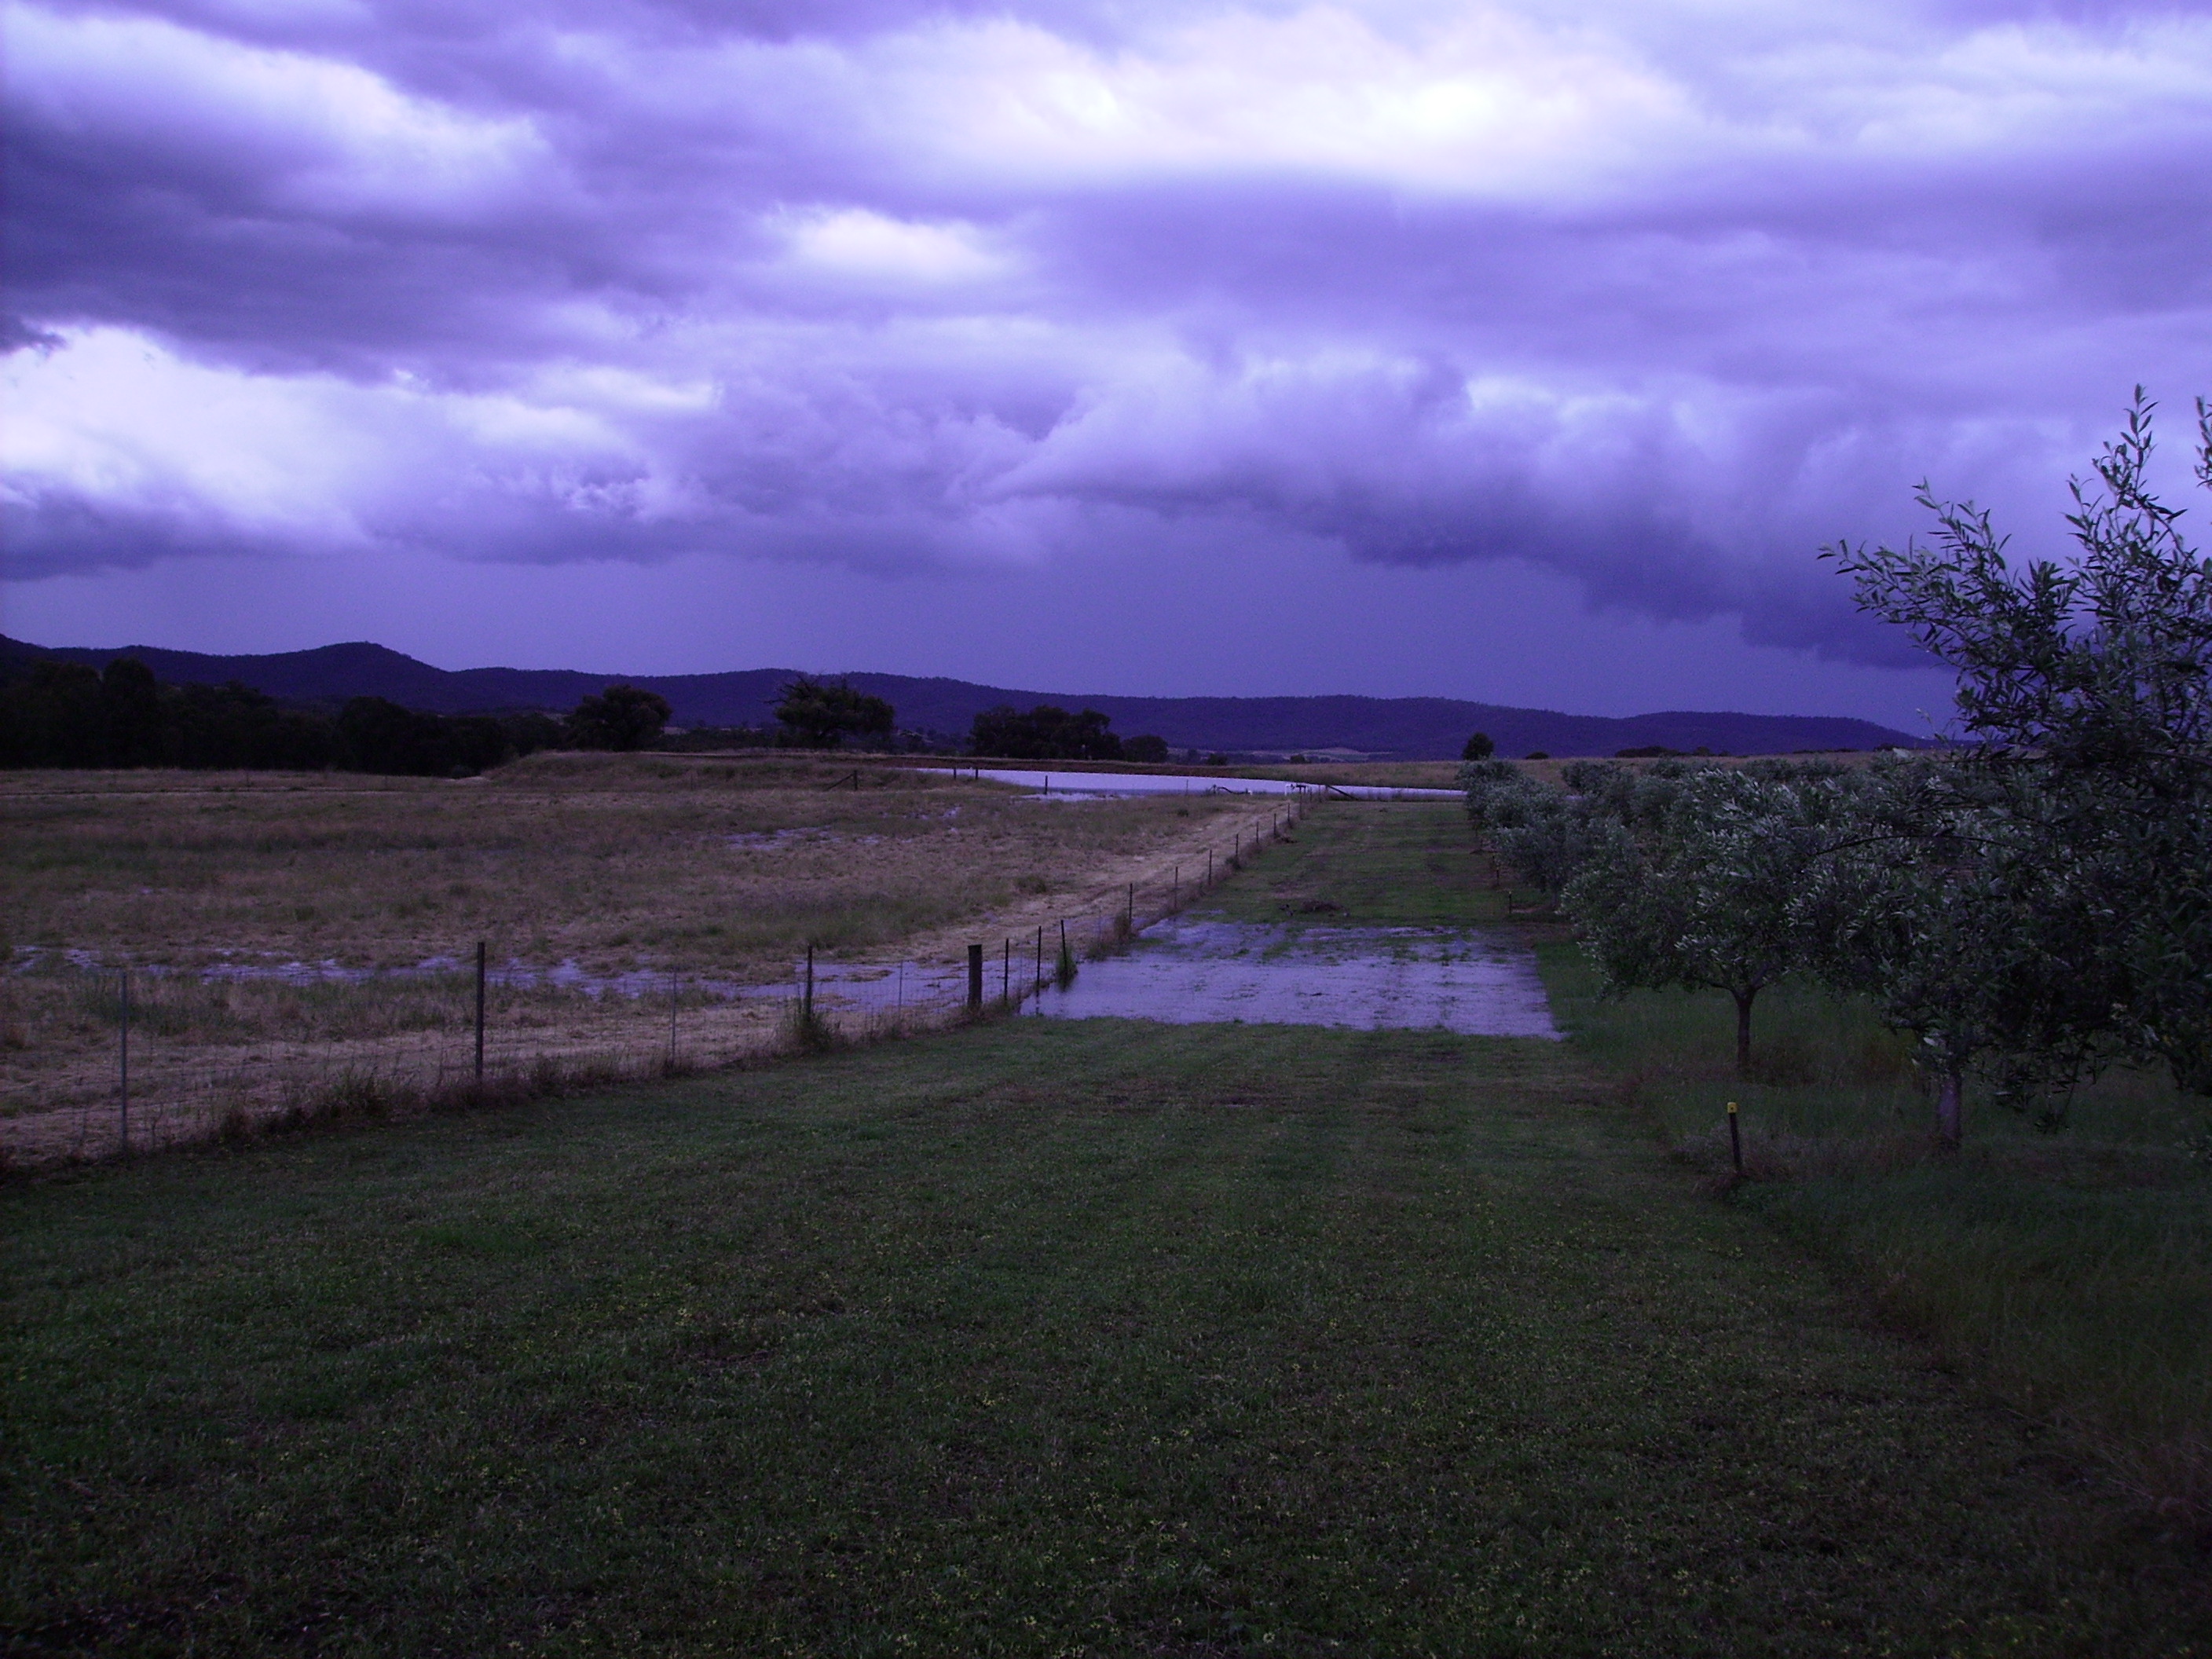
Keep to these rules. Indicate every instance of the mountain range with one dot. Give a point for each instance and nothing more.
(1398, 728)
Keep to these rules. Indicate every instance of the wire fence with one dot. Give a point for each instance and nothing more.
(173, 1057)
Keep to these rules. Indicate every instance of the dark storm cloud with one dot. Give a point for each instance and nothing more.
(1661, 300)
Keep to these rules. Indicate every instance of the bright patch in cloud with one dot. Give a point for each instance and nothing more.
(855, 242)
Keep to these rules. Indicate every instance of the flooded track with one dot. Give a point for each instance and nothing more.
(1196, 971)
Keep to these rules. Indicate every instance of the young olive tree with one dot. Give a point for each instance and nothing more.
(1696, 881)
(1949, 903)
(2088, 687)
(1543, 831)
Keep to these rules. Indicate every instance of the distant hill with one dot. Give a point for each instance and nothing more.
(1399, 728)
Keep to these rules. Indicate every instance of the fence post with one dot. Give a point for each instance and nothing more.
(671, 1017)
(975, 976)
(1132, 907)
(480, 1009)
(123, 1066)
(1006, 972)
(810, 979)
(1037, 989)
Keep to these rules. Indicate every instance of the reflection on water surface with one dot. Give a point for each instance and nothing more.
(1189, 971)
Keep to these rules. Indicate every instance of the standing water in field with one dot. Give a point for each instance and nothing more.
(1192, 972)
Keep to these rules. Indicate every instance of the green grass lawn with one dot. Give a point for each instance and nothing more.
(1393, 864)
(1042, 1337)
(2068, 1270)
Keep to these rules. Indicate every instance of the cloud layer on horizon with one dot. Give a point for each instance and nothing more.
(1658, 298)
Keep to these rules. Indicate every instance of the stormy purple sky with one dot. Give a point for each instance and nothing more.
(1524, 353)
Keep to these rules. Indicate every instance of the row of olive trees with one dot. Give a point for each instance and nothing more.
(2033, 903)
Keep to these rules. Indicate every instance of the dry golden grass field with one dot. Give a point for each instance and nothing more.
(264, 916)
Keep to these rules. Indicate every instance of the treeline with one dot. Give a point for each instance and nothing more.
(2032, 908)
(67, 715)
(1047, 732)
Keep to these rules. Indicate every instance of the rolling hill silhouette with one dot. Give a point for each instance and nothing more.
(1399, 728)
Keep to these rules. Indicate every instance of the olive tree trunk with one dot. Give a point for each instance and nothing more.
(1743, 1029)
(1950, 1106)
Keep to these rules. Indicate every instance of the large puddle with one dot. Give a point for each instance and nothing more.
(1189, 972)
(1099, 786)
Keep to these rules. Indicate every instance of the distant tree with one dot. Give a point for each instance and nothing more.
(530, 730)
(375, 734)
(1045, 733)
(1538, 754)
(234, 725)
(813, 714)
(133, 729)
(1146, 748)
(53, 717)
(623, 717)
(1479, 748)
(477, 743)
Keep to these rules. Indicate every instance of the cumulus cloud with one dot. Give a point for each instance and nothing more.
(1659, 298)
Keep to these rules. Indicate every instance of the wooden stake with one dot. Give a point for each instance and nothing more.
(123, 1066)
(480, 1009)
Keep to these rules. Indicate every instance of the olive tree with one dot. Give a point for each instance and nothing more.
(1543, 831)
(1948, 901)
(2087, 690)
(1696, 880)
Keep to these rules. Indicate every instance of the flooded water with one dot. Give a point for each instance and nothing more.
(1197, 972)
(1097, 786)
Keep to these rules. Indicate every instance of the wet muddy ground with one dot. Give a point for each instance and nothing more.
(1195, 970)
